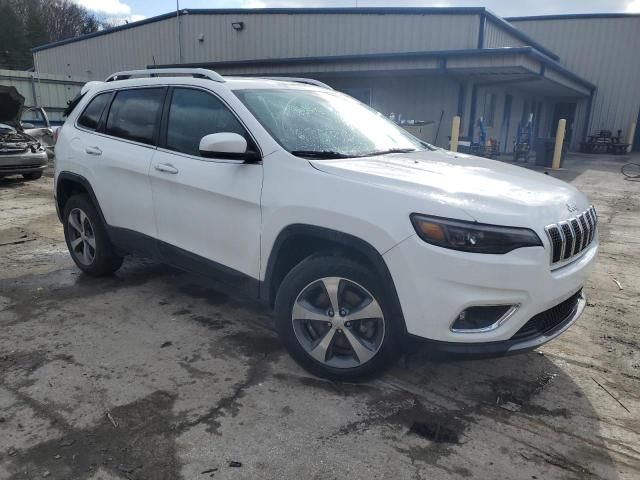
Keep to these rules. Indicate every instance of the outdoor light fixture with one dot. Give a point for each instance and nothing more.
(238, 26)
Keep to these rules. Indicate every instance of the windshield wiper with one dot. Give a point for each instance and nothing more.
(327, 154)
(391, 150)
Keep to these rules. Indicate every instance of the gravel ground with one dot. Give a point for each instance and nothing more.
(158, 374)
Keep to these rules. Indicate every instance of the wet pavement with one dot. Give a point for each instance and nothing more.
(158, 374)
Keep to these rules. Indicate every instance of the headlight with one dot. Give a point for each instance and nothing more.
(472, 236)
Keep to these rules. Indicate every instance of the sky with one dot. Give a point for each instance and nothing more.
(133, 10)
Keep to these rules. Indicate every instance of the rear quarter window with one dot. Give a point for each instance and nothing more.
(90, 117)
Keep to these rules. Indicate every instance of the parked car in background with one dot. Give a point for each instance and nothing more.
(356, 233)
(35, 122)
(20, 152)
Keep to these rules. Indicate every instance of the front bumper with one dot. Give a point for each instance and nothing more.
(435, 285)
(512, 346)
(23, 163)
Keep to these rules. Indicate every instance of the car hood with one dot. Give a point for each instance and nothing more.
(11, 103)
(489, 191)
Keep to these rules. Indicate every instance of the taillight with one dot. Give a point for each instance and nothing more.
(56, 133)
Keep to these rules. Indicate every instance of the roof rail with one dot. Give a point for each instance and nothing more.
(309, 81)
(154, 72)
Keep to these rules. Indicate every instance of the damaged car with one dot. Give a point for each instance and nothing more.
(20, 153)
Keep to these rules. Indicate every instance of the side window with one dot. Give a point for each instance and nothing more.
(134, 114)
(91, 115)
(194, 114)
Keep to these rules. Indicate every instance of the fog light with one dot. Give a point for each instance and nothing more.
(482, 319)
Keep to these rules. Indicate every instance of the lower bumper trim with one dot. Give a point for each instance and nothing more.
(508, 347)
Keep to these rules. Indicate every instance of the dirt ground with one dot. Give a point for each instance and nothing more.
(157, 374)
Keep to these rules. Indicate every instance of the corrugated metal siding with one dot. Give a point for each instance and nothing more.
(263, 37)
(605, 51)
(100, 56)
(286, 36)
(51, 91)
(496, 37)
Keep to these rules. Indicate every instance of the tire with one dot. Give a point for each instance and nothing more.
(101, 259)
(325, 342)
(32, 175)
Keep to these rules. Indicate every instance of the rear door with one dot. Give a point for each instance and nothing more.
(120, 152)
(206, 208)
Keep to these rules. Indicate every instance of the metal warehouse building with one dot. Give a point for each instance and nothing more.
(425, 65)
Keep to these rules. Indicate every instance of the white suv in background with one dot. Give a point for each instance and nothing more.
(357, 234)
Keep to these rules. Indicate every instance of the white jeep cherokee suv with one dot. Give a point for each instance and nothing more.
(357, 234)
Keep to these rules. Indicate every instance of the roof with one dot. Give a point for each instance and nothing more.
(440, 54)
(230, 81)
(481, 11)
(574, 16)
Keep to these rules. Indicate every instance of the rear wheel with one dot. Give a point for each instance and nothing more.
(335, 319)
(87, 239)
(32, 175)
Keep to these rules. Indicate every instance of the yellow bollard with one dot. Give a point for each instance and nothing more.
(557, 152)
(630, 136)
(455, 133)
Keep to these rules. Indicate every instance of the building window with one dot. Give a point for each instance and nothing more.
(489, 109)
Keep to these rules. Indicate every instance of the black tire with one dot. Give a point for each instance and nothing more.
(105, 260)
(318, 267)
(32, 175)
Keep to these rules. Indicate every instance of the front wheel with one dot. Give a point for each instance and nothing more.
(335, 319)
(87, 239)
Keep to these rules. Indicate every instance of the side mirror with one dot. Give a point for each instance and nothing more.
(226, 145)
(27, 125)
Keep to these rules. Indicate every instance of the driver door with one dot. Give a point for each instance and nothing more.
(207, 209)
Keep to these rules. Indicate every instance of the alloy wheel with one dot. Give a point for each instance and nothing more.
(338, 322)
(82, 238)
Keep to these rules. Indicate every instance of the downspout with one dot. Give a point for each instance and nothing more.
(33, 84)
(587, 120)
(178, 33)
(472, 112)
(483, 23)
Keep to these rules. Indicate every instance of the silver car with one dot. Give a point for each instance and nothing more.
(20, 153)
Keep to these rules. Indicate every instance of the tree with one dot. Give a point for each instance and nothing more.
(25, 24)
(66, 19)
(36, 30)
(14, 47)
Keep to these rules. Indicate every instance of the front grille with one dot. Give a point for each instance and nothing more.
(570, 237)
(549, 319)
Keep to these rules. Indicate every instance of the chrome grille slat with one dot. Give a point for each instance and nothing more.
(568, 238)
(579, 235)
(586, 229)
(592, 225)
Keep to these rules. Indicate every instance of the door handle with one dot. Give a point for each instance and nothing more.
(166, 167)
(93, 151)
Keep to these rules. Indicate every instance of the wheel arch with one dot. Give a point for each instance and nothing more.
(69, 184)
(299, 241)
